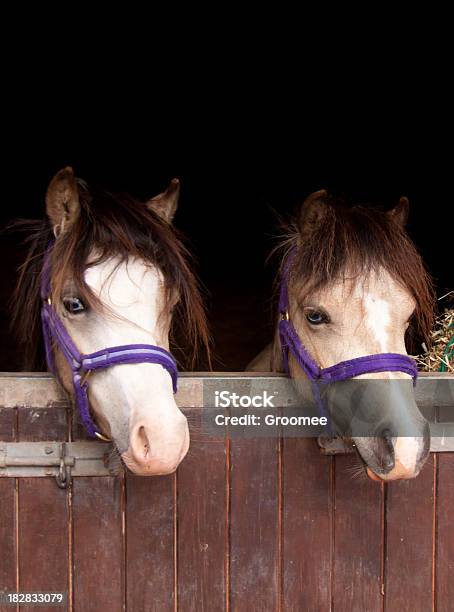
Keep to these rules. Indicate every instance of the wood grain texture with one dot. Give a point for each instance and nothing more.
(98, 544)
(254, 527)
(306, 526)
(8, 543)
(299, 536)
(357, 540)
(43, 512)
(445, 533)
(409, 543)
(150, 554)
(202, 523)
(40, 389)
(97, 539)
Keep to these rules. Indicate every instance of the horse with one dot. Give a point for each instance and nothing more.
(107, 270)
(356, 286)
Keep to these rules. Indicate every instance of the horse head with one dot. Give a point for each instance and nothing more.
(357, 287)
(119, 277)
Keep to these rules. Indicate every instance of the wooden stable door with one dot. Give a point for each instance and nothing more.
(245, 525)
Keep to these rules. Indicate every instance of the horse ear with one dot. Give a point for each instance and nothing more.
(165, 204)
(313, 211)
(62, 201)
(399, 213)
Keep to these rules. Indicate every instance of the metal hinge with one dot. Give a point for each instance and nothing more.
(62, 460)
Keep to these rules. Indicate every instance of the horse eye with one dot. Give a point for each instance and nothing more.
(315, 317)
(73, 305)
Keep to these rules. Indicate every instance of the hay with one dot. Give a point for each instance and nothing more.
(440, 356)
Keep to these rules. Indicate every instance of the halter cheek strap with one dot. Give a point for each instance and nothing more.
(291, 343)
(83, 364)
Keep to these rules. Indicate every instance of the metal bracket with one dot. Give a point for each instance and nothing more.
(63, 476)
(62, 460)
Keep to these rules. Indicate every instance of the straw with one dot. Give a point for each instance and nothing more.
(440, 356)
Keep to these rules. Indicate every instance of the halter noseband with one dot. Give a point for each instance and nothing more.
(83, 364)
(290, 342)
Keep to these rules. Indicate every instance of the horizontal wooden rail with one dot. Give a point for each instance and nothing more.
(40, 390)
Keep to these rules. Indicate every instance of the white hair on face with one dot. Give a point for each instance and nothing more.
(377, 312)
(407, 450)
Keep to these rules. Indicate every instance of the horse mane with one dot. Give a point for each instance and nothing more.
(109, 225)
(357, 240)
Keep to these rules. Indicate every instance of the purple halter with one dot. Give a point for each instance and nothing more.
(290, 342)
(81, 365)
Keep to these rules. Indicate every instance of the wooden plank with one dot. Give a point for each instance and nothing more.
(202, 522)
(143, 554)
(21, 389)
(255, 524)
(8, 543)
(409, 543)
(98, 539)
(306, 526)
(357, 569)
(150, 553)
(40, 389)
(98, 544)
(37, 424)
(446, 414)
(7, 424)
(445, 533)
(43, 512)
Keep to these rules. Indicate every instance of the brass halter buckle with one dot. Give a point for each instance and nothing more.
(102, 437)
(84, 377)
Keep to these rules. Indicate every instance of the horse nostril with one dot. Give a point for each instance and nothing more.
(387, 453)
(388, 462)
(143, 443)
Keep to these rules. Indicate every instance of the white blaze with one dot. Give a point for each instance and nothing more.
(378, 320)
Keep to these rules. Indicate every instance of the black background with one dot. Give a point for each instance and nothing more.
(243, 162)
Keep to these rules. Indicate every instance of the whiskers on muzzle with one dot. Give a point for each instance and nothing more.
(114, 462)
(357, 471)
